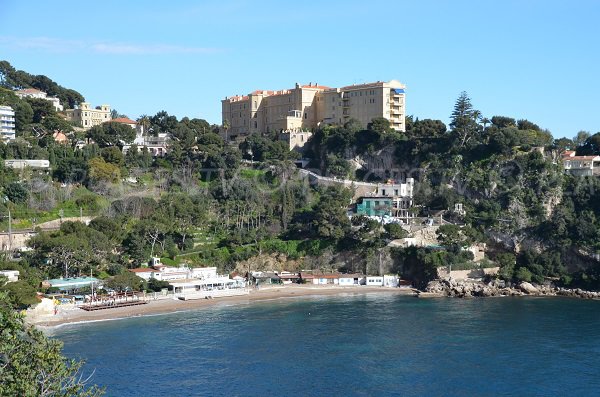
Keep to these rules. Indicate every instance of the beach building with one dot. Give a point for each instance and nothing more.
(260, 278)
(71, 284)
(214, 287)
(307, 107)
(87, 117)
(347, 280)
(391, 280)
(580, 165)
(34, 93)
(7, 123)
(161, 272)
(289, 278)
(375, 281)
(11, 275)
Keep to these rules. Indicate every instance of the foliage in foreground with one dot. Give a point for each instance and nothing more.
(32, 364)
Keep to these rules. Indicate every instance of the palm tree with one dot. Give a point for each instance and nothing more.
(485, 121)
(226, 127)
(144, 121)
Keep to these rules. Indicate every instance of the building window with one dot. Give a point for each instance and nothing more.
(383, 192)
(255, 124)
(305, 115)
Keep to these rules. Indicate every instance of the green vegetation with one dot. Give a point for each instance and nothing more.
(32, 364)
(205, 204)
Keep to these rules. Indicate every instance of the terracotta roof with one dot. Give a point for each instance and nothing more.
(142, 270)
(30, 91)
(583, 158)
(124, 120)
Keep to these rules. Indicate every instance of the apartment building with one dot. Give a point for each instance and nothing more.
(33, 93)
(87, 117)
(7, 123)
(306, 107)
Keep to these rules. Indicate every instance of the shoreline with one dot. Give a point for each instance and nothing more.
(75, 315)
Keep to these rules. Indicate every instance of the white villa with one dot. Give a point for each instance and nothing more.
(33, 93)
(580, 165)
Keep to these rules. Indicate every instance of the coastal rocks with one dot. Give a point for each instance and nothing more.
(528, 288)
(475, 288)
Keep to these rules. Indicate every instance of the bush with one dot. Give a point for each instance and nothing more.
(523, 274)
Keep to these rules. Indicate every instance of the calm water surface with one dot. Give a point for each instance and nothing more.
(371, 345)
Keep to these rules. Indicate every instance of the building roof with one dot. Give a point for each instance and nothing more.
(124, 120)
(583, 158)
(352, 275)
(143, 270)
(30, 91)
(320, 87)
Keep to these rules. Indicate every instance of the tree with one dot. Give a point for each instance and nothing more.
(527, 125)
(581, 138)
(21, 294)
(32, 364)
(329, 219)
(111, 134)
(41, 109)
(101, 171)
(464, 119)
(395, 231)
(452, 237)
(591, 146)
(162, 122)
(503, 122)
(126, 281)
(16, 192)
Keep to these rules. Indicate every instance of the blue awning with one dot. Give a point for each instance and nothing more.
(399, 90)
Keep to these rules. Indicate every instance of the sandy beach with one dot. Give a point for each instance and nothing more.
(71, 314)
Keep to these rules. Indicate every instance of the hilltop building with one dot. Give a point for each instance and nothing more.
(580, 165)
(7, 123)
(33, 93)
(87, 117)
(306, 107)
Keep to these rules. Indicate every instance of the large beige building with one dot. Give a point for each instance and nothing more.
(306, 107)
(87, 117)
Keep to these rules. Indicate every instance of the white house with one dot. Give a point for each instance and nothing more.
(580, 165)
(375, 281)
(391, 280)
(33, 93)
(203, 273)
(347, 280)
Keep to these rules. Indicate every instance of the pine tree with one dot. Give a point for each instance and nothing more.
(464, 119)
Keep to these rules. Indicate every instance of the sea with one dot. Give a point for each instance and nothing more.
(374, 344)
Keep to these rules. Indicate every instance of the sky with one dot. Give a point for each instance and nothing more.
(519, 58)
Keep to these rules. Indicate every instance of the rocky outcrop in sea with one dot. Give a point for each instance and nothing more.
(473, 288)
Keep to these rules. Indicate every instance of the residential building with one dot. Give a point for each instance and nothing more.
(33, 93)
(580, 165)
(22, 164)
(374, 206)
(401, 195)
(296, 139)
(306, 107)
(7, 123)
(87, 117)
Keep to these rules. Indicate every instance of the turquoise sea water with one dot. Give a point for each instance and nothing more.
(370, 345)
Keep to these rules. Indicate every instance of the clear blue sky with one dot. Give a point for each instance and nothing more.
(533, 59)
